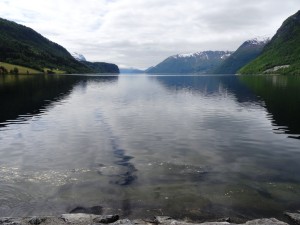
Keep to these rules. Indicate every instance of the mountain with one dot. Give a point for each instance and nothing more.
(102, 67)
(282, 54)
(149, 69)
(22, 48)
(200, 62)
(131, 71)
(79, 57)
(96, 67)
(247, 52)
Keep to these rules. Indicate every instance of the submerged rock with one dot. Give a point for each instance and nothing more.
(294, 216)
(106, 219)
(36, 220)
(89, 218)
(96, 210)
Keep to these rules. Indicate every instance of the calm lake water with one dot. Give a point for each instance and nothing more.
(185, 146)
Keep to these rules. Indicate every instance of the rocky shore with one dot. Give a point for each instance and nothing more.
(91, 219)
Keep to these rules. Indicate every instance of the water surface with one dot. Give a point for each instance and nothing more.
(185, 146)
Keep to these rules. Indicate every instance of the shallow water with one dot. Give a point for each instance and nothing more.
(185, 146)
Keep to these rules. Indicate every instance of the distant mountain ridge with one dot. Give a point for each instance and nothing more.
(22, 46)
(131, 70)
(247, 52)
(97, 67)
(199, 62)
(102, 67)
(282, 54)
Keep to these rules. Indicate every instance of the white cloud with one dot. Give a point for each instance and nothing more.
(141, 33)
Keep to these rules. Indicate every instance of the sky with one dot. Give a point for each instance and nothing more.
(142, 33)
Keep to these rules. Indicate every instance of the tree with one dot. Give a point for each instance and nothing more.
(3, 70)
(16, 71)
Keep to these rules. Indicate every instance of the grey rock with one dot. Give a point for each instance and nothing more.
(5, 220)
(169, 221)
(271, 221)
(214, 223)
(123, 222)
(78, 218)
(294, 216)
(143, 222)
(36, 220)
(227, 219)
(106, 219)
(9, 221)
(91, 219)
(163, 219)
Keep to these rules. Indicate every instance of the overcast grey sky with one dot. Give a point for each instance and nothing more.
(141, 33)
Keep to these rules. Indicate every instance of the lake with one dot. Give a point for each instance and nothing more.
(198, 147)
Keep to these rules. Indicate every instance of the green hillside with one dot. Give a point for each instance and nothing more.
(6, 68)
(282, 54)
(20, 45)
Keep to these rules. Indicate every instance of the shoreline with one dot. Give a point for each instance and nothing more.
(92, 219)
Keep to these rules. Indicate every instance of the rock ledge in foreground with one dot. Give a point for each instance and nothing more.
(90, 219)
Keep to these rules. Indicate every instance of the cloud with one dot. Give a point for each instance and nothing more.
(141, 33)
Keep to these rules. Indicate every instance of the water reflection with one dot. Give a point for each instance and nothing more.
(211, 85)
(281, 95)
(26, 95)
(197, 147)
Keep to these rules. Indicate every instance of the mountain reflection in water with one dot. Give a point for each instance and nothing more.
(201, 147)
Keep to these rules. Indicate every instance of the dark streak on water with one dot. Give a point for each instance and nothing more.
(126, 177)
(201, 147)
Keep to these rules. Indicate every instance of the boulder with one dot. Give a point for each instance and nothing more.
(294, 216)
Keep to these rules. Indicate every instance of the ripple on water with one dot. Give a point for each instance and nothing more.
(55, 178)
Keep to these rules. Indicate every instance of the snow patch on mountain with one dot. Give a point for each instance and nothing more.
(226, 55)
(202, 55)
(259, 40)
(189, 55)
(79, 57)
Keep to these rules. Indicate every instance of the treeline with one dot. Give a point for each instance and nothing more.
(4, 71)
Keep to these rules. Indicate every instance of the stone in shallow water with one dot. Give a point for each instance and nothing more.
(294, 216)
(89, 218)
(37, 220)
(106, 219)
(96, 210)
